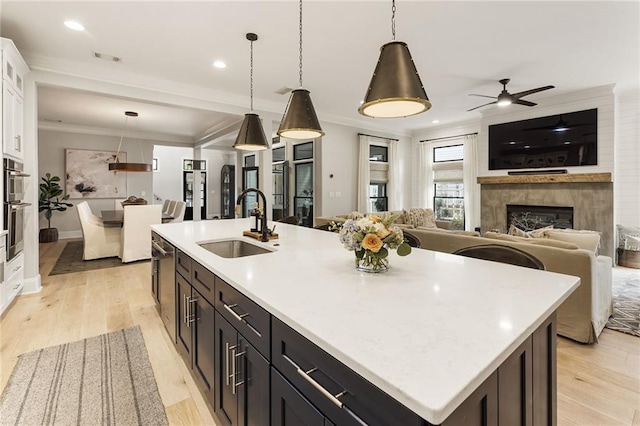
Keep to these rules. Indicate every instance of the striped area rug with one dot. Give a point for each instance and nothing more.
(103, 380)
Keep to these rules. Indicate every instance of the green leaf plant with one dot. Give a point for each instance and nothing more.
(50, 192)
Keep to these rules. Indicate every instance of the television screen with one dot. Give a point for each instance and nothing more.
(562, 140)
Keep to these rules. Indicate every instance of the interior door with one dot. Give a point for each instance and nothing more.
(249, 180)
(188, 186)
(280, 190)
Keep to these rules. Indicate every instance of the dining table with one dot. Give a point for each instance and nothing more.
(116, 217)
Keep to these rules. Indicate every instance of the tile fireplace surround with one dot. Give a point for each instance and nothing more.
(592, 202)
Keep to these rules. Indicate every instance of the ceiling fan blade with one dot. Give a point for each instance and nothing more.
(529, 92)
(495, 102)
(525, 103)
(483, 96)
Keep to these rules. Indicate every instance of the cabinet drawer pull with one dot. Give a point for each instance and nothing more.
(306, 375)
(239, 317)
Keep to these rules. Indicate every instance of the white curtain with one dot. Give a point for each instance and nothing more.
(425, 175)
(393, 185)
(471, 187)
(363, 175)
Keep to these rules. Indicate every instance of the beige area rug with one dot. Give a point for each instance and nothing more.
(70, 261)
(102, 380)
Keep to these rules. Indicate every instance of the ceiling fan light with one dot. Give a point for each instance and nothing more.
(300, 120)
(251, 136)
(395, 89)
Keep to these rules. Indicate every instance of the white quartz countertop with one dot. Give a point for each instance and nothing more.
(428, 332)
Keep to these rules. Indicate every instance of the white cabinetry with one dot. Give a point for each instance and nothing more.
(13, 70)
(14, 280)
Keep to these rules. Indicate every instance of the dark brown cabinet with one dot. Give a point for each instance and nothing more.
(195, 335)
(241, 378)
(290, 408)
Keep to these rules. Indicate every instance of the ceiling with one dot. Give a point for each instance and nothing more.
(458, 47)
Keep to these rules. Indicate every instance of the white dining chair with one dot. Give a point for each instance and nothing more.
(178, 212)
(117, 203)
(99, 240)
(165, 206)
(171, 207)
(136, 231)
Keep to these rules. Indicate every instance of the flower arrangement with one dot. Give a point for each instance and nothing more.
(371, 237)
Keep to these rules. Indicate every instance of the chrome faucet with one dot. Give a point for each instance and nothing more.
(264, 230)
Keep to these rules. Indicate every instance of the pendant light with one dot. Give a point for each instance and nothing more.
(395, 89)
(300, 120)
(251, 136)
(117, 166)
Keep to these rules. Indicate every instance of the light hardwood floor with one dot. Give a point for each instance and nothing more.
(597, 384)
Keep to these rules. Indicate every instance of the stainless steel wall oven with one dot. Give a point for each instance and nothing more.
(14, 186)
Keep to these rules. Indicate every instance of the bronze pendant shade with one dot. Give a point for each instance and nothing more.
(395, 89)
(251, 136)
(300, 120)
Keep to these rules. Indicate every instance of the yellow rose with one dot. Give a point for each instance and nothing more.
(374, 218)
(372, 242)
(383, 232)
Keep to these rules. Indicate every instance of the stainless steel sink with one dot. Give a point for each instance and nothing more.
(233, 248)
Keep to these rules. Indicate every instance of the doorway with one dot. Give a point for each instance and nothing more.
(249, 180)
(188, 186)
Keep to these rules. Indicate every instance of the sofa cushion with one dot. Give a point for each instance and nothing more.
(450, 231)
(418, 216)
(588, 240)
(539, 241)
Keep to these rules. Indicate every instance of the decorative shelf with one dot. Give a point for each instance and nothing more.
(551, 178)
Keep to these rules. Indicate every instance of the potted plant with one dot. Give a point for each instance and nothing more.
(50, 192)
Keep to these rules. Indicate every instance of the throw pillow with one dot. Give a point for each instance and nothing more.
(588, 240)
(535, 233)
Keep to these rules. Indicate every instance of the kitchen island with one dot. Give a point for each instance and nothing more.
(429, 334)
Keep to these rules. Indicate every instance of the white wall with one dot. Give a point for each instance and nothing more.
(51, 159)
(339, 157)
(167, 180)
(626, 183)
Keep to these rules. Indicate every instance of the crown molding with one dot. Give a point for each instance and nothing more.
(100, 131)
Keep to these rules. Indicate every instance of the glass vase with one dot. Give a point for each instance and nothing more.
(372, 264)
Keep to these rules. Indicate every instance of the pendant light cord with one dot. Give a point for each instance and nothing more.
(393, 19)
(124, 129)
(251, 74)
(300, 28)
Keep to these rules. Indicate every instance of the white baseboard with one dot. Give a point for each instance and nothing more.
(32, 285)
(66, 235)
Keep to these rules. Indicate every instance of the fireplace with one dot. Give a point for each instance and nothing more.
(529, 217)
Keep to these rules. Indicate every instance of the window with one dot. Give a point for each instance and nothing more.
(194, 164)
(378, 201)
(303, 151)
(378, 153)
(155, 164)
(448, 176)
(278, 154)
(250, 161)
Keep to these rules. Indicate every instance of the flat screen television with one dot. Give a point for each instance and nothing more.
(563, 140)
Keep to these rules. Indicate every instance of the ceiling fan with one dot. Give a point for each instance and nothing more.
(506, 98)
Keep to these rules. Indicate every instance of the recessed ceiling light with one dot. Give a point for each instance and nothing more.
(527, 146)
(512, 143)
(567, 143)
(219, 64)
(74, 25)
(435, 121)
